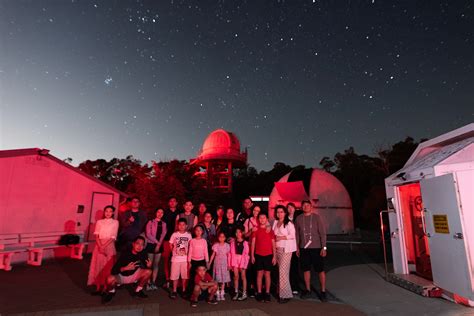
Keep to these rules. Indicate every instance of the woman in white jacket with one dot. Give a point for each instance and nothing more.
(285, 246)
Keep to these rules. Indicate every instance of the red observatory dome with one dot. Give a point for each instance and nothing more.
(219, 155)
(222, 145)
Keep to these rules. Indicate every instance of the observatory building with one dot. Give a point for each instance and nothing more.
(431, 215)
(219, 155)
(327, 194)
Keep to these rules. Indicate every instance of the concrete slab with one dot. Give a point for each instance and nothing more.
(363, 287)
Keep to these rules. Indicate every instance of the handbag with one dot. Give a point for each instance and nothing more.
(69, 239)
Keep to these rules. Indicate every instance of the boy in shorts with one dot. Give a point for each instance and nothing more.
(263, 254)
(203, 282)
(179, 244)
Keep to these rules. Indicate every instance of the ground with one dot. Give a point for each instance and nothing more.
(354, 283)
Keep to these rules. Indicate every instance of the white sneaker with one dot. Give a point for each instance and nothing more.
(222, 296)
(243, 297)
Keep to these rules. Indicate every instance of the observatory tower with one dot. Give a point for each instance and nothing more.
(220, 153)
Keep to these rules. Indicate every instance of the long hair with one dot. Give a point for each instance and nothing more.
(286, 219)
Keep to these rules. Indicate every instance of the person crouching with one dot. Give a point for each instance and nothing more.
(203, 282)
(133, 266)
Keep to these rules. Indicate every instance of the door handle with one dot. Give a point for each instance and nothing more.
(458, 236)
(423, 222)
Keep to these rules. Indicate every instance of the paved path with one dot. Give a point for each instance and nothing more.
(60, 285)
(363, 287)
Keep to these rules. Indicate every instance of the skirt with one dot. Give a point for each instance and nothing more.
(101, 265)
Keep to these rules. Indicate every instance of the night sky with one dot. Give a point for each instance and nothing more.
(295, 80)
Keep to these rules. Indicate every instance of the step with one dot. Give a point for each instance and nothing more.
(415, 284)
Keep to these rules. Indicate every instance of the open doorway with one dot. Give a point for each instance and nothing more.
(416, 241)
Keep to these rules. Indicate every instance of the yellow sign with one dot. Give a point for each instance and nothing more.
(440, 223)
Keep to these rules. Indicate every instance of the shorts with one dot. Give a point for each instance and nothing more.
(311, 257)
(129, 279)
(179, 270)
(263, 263)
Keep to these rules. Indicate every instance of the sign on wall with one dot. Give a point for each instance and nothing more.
(440, 223)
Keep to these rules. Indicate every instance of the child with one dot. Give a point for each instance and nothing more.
(155, 232)
(103, 256)
(179, 243)
(239, 260)
(220, 252)
(188, 215)
(203, 282)
(263, 256)
(198, 254)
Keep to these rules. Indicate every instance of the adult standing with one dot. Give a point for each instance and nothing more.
(132, 224)
(202, 208)
(103, 256)
(170, 219)
(154, 234)
(285, 246)
(293, 213)
(209, 229)
(311, 240)
(245, 213)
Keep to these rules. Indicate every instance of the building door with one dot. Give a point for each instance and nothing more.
(417, 245)
(99, 201)
(444, 225)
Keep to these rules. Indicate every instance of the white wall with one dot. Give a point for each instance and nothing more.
(38, 194)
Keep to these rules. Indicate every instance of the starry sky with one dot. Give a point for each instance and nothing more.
(295, 80)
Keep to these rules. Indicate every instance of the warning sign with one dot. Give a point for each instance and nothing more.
(440, 223)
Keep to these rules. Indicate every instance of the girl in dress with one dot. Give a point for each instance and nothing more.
(103, 256)
(155, 233)
(239, 260)
(220, 252)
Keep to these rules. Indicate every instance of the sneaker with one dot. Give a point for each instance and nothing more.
(295, 292)
(140, 294)
(107, 297)
(283, 300)
(236, 296)
(259, 297)
(323, 297)
(222, 296)
(194, 303)
(243, 297)
(267, 298)
(305, 294)
(212, 302)
(173, 295)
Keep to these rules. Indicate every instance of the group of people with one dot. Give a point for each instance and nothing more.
(205, 253)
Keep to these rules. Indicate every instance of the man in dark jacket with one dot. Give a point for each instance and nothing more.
(132, 224)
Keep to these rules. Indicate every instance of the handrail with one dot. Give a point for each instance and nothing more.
(383, 240)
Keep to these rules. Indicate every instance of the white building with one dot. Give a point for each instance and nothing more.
(431, 216)
(40, 193)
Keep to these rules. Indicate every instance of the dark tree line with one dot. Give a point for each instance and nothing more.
(362, 175)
